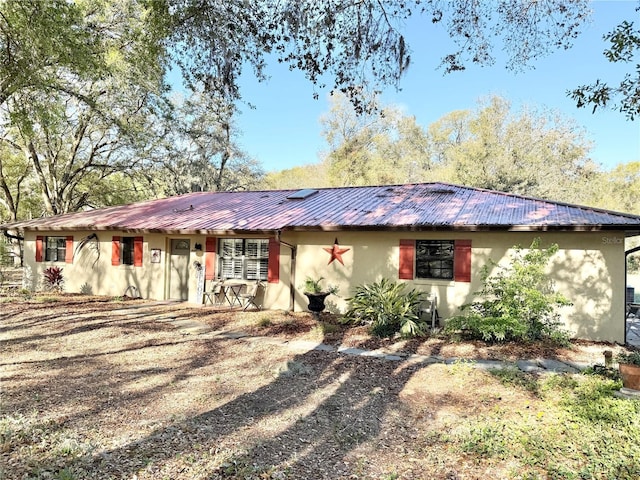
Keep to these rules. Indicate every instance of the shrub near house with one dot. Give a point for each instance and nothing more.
(388, 308)
(518, 302)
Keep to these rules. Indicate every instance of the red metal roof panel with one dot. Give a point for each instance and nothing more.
(415, 206)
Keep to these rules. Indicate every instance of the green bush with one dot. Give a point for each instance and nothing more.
(388, 308)
(518, 302)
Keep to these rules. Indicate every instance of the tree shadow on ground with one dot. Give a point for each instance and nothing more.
(319, 408)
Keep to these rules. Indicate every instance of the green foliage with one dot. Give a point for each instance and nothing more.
(632, 358)
(314, 285)
(65, 474)
(53, 278)
(516, 378)
(264, 321)
(388, 308)
(580, 431)
(295, 178)
(518, 302)
(76, 99)
(625, 45)
(200, 151)
(524, 151)
(46, 299)
(616, 190)
(376, 148)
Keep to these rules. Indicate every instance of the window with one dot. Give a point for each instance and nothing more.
(434, 259)
(56, 249)
(126, 246)
(244, 258)
(126, 251)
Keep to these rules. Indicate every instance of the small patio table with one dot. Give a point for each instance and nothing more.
(231, 292)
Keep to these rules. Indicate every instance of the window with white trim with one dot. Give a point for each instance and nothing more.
(434, 259)
(56, 249)
(244, 258)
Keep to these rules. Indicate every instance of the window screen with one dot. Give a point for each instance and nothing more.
(434, 259)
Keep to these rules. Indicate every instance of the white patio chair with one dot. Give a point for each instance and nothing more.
(248, 298)
(213, 295)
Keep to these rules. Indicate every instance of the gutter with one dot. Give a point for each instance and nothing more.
(294, 250)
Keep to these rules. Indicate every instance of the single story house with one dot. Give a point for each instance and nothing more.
(434, 236)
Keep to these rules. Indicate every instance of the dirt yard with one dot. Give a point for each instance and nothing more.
(94, 388)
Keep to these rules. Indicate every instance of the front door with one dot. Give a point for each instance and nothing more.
(179, 266)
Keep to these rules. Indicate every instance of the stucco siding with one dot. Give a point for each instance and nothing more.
(588, 269)
(91, 270)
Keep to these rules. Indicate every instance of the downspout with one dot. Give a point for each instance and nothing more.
(626, 255)
(292, 276)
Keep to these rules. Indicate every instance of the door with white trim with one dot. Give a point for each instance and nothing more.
(179, 269)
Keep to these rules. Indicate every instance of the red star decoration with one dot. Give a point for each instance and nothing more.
(336, 252)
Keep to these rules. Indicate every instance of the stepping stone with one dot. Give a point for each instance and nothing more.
(351, 351)
(423, 359)
(492, 364)
(324, 348)
(393, 358)
(234, 335)
(529, 366)
(556, 366)
(628, 394)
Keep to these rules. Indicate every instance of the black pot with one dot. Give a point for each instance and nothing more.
(316, 301)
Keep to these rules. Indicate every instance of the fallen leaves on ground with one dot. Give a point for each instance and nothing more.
(96, 388)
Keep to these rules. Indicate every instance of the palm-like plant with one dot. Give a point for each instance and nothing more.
(388, 308)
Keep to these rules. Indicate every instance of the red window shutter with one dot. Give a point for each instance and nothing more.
(273, 272)
(462, 261)
(115, 250)
(39, 247)
(68, 255)
(407, 254)
(137, 251)
(210, 258)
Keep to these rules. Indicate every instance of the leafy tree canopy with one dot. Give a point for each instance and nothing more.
(355, 44)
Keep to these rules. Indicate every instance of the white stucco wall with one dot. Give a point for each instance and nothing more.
(588, 270)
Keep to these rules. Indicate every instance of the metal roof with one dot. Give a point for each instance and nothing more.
(426, 206)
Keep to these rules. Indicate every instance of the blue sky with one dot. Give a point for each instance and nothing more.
(284, 131)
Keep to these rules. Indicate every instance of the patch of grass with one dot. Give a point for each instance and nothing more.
(486, 440)
(19, 430)
(264, 321)
(580, 431)
(323, 329)
(47, 299)
(515, 377)
(293, 368)
(65, 474)
(329, 328)
(42, 443)
(462, 367)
